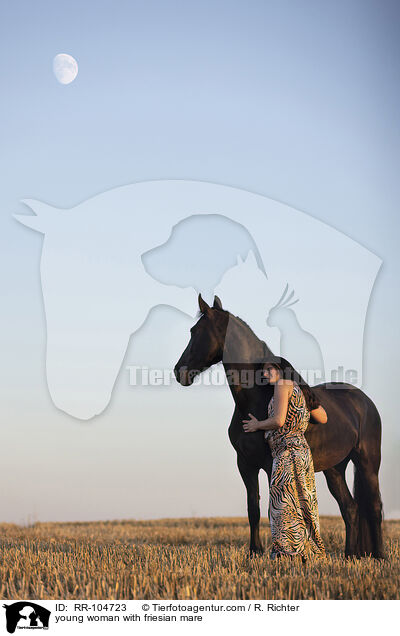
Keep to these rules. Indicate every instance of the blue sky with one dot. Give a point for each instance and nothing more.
(297, 101)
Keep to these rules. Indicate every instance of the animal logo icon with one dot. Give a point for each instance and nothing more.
(26, 615)
(109, 261)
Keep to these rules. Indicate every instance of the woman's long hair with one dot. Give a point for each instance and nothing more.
(290, 373)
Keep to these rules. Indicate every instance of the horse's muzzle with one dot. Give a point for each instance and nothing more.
(185, 376)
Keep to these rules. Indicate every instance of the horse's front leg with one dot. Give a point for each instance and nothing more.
(250, 477)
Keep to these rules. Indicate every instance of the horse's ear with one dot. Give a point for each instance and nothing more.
(217, 303)
(204, 308)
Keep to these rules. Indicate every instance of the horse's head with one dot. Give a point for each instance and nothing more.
(206, 344)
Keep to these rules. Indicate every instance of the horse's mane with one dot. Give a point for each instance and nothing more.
(200, 314)
(243, 322)
(266, 350)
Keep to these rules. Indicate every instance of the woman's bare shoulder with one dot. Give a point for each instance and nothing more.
(284, 382)
(285, 385)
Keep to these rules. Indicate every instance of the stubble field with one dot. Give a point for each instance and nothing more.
(199, 558)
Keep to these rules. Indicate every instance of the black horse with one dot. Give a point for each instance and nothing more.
(353, 431)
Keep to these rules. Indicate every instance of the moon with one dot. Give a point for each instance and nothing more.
(65, 68)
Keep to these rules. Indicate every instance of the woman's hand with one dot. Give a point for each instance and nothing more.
(319, 415)
(250, 425)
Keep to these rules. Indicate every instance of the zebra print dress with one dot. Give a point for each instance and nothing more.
(293, 508)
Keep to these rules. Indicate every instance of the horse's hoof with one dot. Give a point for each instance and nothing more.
(379, 555)
(351, 555)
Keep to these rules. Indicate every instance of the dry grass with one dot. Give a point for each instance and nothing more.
(182, 559)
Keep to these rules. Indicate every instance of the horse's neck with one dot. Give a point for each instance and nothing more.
(241, 344)
(242, 349)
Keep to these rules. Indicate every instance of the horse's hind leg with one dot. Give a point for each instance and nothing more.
(336, 480)
(366, 491)
(250, 478)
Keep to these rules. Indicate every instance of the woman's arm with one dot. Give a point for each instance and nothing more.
(281, 401)
(319, 415)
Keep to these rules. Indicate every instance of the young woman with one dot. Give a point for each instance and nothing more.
(293, 508)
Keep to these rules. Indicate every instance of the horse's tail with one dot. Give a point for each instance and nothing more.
(366, 488)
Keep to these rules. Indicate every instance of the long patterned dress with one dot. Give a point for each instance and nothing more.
(293, 508)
